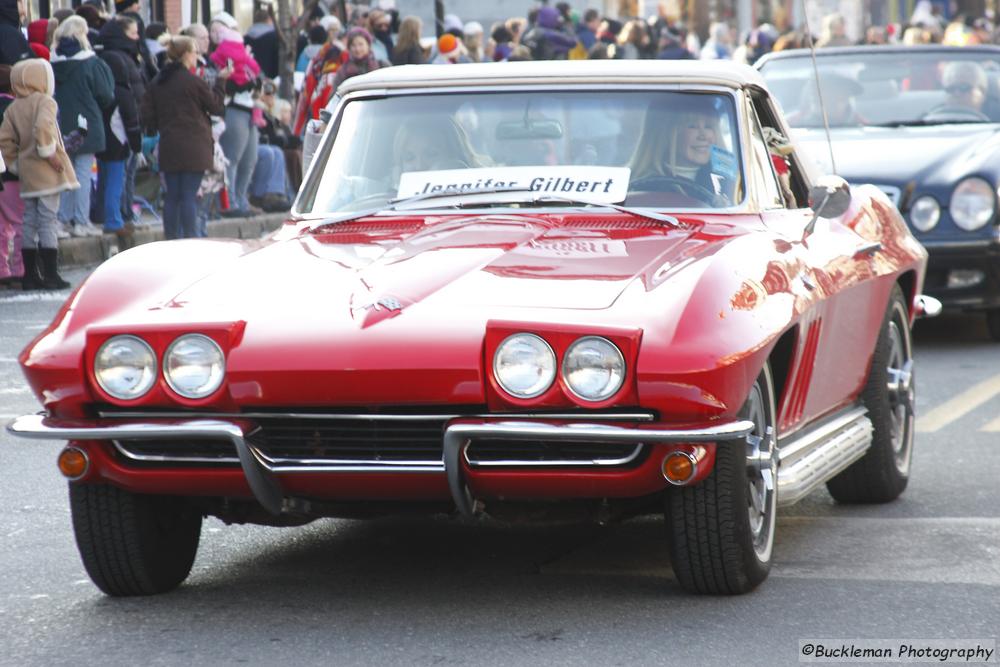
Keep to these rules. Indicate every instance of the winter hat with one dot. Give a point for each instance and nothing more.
(357, 32)
(549, 17)
(90, 14)
(330, 22)
(122, 5)
(448, 45)
(230, 35)
(39, 33)
(452, 22)
(38, 38)
(473, 28)
(226, 19)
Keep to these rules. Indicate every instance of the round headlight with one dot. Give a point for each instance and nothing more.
(194, 366)
(972, 204)
(925, 214)
(593, 368)
(524, 365)
(125, 367)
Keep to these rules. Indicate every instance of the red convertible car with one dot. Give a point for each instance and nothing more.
(607, 285)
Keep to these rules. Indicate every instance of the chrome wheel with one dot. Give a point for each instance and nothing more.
(901, 396)
(761, 473)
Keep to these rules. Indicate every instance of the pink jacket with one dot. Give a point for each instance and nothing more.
(245, 68)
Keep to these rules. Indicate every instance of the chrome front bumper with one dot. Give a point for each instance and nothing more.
(261, 474)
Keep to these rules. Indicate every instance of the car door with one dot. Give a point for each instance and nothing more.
(833, 286)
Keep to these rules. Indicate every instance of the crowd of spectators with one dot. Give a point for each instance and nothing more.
(197, 114)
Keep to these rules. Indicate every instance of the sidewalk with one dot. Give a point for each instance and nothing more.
(89, 250)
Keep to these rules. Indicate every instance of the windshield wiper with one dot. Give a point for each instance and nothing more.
(397, 203)
(920, 122)
(649, 215)
(536, 197)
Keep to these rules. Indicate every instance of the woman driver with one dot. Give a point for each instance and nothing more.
(432, 144)
(683, 143)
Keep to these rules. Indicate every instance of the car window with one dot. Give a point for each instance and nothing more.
(768, 191)
(888, 88)
(791, 180)
(678, 150)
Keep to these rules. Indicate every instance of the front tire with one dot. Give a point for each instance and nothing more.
(134, 544)
(883, 472)
(993, 323)
(722, 529)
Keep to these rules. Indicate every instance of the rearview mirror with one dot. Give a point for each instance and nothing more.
(529, 129)
(830, 197)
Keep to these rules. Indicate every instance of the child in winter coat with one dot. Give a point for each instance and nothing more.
(214, 180)
(11, 206)
(231, 49)
(32, 147)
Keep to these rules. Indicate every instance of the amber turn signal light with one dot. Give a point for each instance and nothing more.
(73, 463)
(678, 467)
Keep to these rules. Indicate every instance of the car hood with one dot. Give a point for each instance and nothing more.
(357, 313)
(370, 271)
(938, 154)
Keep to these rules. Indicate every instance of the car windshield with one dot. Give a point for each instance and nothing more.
(659, 149)
(892, 88)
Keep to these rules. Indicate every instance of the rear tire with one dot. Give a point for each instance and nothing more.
(883, 472)
(722, 529)
(134, 544)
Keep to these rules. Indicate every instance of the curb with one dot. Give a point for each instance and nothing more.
(90, 250)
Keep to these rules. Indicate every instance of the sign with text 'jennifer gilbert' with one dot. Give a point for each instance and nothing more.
(606, 185)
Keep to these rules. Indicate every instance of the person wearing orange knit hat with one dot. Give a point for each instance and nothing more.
(450, 51)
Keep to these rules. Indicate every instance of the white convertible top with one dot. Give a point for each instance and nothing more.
(707, 72)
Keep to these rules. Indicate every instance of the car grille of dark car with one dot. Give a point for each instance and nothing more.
(317, 440)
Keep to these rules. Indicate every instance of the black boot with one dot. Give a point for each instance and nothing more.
(50, 269)
(32, 279)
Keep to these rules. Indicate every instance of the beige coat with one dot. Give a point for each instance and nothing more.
(30, 133)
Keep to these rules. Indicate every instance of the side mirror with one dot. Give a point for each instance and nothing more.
(830, 197)
(310, 142)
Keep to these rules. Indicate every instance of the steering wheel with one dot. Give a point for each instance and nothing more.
(674, 184)
(954, 113)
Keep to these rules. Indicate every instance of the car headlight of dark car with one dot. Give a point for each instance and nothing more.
(973, 204)
(925, 213)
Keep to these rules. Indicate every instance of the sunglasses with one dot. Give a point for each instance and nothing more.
(960, 89)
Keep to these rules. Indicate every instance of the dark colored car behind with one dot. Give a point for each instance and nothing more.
(923, 124)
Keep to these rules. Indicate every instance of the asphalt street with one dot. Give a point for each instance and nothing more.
(442, 591)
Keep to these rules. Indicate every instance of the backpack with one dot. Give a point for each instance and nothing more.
(578, 52)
